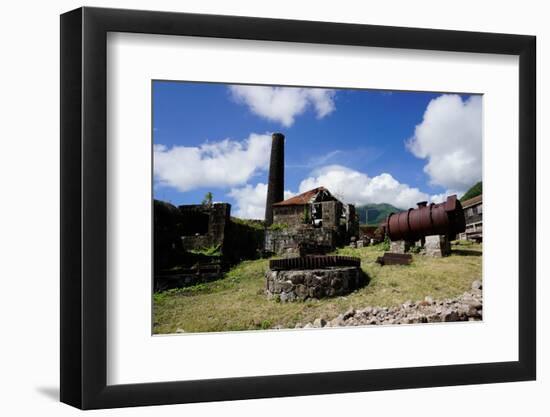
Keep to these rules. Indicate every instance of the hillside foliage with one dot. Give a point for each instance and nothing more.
(374, 214)
(474, 191)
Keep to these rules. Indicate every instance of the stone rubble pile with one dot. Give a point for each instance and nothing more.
(467, 307)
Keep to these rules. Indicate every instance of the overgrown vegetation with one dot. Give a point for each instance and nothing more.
(208, 251)
(474, 191)
(278, 226)
(386, 244)
(415, 249)
(305, 215)
(238, 302)
(254, 224)
(208, 198)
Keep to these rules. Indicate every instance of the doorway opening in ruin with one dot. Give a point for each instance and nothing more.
(317, 214)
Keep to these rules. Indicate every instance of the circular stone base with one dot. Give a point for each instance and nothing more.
(301, 284)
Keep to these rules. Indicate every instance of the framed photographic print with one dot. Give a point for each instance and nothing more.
(258, 207)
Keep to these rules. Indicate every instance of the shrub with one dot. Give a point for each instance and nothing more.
(386, 244)
(265, 324)
(305, 216)
(415, 249)
(278, 226)
(252, 223)
(208, 251)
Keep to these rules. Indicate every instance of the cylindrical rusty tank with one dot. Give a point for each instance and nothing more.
(427, 219)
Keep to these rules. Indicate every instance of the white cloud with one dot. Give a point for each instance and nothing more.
(250, 201)
(449, 137)
(226, 163)
(442, 197)
(346, 184)
(283, 104)
(358, 188)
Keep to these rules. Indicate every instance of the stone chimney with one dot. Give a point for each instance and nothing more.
(276, 184)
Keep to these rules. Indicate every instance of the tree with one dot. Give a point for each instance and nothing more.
(208, 197)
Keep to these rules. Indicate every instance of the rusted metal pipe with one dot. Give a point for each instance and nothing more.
(434, 219)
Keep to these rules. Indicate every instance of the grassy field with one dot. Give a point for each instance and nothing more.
(238, 302)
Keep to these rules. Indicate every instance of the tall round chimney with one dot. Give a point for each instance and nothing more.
(276, 184)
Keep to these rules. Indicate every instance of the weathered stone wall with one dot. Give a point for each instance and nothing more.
(299, 285)
(198, 271)
(288, 241)
(166, 237)
(219, 220)
(181, 234)
(331, 213)
(243, 241)
(352, 221)
(290, 215)
(216, 229)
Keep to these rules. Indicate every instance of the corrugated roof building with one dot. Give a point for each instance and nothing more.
(473, 214)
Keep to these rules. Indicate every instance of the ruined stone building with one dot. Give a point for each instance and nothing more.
(210, 227)
(314, 221)
(203, 225)
(197, 242)
(317, 207)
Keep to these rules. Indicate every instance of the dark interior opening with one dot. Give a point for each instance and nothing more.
(195, 223)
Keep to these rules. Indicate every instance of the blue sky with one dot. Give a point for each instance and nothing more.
(364, 145)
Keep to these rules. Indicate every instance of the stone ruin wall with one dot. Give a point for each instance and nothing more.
(331, 213)
(180, 233)
(288, 241)
(218, 220)
(299, 285)
(292, 216)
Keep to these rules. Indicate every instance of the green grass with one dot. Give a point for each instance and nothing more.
(238, 302)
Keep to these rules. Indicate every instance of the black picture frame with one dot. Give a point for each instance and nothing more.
(84, 207)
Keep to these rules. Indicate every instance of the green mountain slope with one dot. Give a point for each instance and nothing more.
(374, 214)
(474, 191)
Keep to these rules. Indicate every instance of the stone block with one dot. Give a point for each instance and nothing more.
(437, 246)
(399, 246)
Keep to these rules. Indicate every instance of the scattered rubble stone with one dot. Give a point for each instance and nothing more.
(319, 323)
(467, 307)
